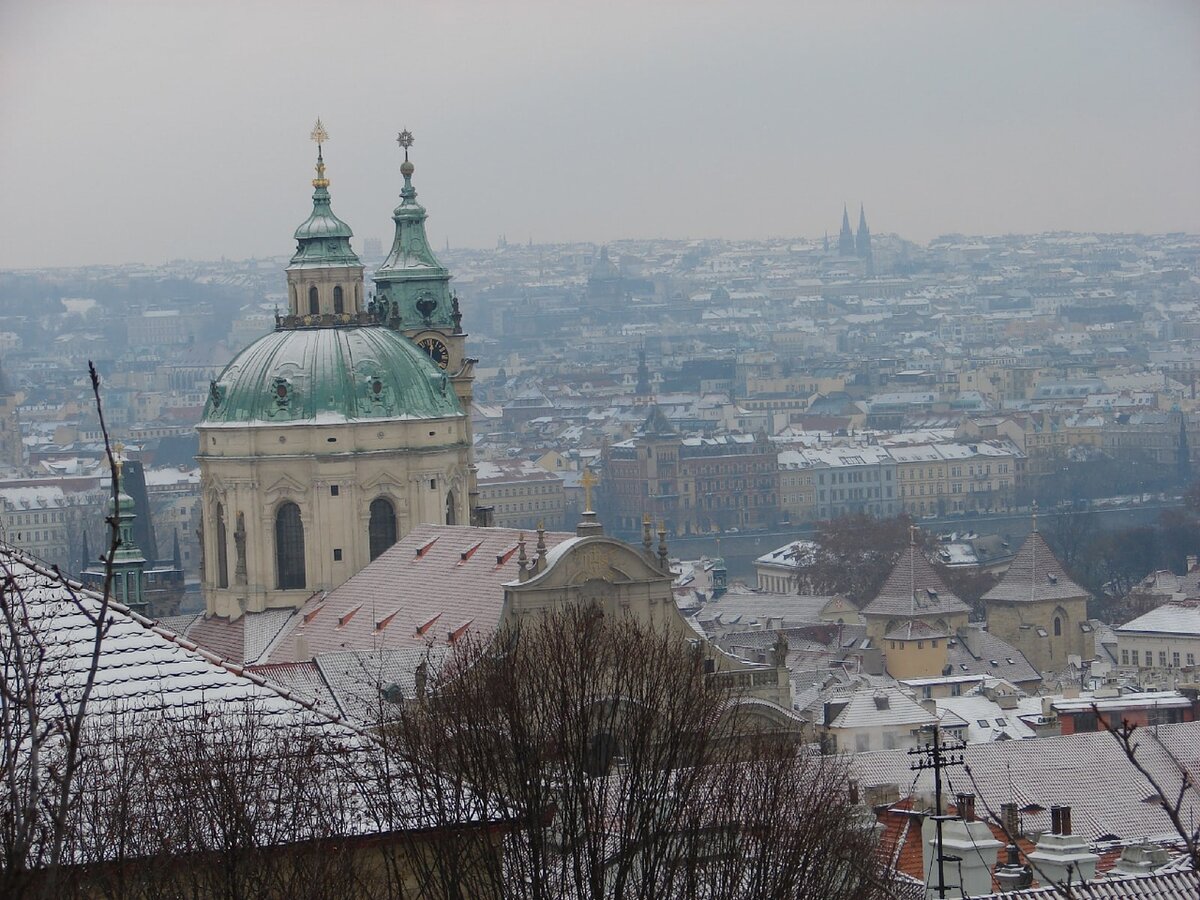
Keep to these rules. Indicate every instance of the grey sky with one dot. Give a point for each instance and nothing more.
(144, 131)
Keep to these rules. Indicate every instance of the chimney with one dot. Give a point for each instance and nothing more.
(1063, 857)
(1010, 820)
(1012, 876)
(1060, 820)
(966, 806)
(1193, 562)
(970, 844)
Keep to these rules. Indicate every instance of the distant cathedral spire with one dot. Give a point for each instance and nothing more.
(862, 243)
(846, 237)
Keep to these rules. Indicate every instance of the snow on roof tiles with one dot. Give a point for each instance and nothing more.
(1035, 574)
(1062, 770)
(914, 588)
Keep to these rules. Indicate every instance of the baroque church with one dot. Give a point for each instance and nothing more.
(344, 549)
(325, 441)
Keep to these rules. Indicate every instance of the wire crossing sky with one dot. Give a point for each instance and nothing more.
(143, 131)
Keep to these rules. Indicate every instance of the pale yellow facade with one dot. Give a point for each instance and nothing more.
(333, 473)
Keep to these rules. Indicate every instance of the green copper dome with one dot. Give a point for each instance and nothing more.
(329, 375)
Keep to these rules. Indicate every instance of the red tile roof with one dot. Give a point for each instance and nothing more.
(429, 587)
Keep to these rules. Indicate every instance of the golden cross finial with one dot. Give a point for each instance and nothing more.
(118, 459)
(320, 135)
(588, 481)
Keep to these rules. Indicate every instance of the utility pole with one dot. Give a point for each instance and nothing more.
(938, 756)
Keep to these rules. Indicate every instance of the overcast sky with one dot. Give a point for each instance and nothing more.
(146, 131)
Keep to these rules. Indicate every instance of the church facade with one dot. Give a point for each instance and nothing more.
(329, 439)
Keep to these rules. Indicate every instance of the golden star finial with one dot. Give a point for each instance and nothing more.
(319, 134)
(405, 140)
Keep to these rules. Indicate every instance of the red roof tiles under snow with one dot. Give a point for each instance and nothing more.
(426, 588)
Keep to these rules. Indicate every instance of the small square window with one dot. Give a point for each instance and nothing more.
(334, 490)
(337, 554)
(433, 484)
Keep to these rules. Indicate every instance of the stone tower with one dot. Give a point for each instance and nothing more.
(1038, 609)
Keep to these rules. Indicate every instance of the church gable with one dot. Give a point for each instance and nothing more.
(581, 560)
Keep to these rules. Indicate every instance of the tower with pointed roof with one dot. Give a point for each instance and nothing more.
(914, 616)
(846, 236)
(1039, 609)
(862, 241)
(128, 561)
(413, 293)
(643, 393)
(327, 440)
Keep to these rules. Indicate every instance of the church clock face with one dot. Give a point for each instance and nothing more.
(437, 351)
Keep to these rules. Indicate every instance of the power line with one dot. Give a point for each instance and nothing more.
(938, 756)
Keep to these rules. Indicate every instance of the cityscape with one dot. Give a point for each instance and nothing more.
(860, 562)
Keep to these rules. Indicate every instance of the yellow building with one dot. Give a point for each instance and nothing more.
(917, 613)
(522, 494)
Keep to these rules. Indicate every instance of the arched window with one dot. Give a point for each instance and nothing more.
(222, 550)
(338, 305)
(314, 304)
(450, 517)
(381, 532)
(289, 547)
(1057, 626)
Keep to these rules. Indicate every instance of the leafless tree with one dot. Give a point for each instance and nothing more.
(41, 717)
(1170, 797)
(620, 766)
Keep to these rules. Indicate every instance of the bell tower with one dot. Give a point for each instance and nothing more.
(325, 276)
(413, 296)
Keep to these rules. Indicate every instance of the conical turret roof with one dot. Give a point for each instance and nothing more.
(914, 590)
(1035, 574)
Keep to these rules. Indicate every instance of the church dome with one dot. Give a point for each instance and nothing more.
(328, 375)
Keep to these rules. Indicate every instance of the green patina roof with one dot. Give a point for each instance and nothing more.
(412, 278)
(330, 375)
(323, 239)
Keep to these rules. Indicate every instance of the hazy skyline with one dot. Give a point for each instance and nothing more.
(140, 131)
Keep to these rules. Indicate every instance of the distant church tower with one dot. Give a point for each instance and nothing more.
(128, 563)
(643, 393)
(862, 243)
(327, 440)
(846, 238)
